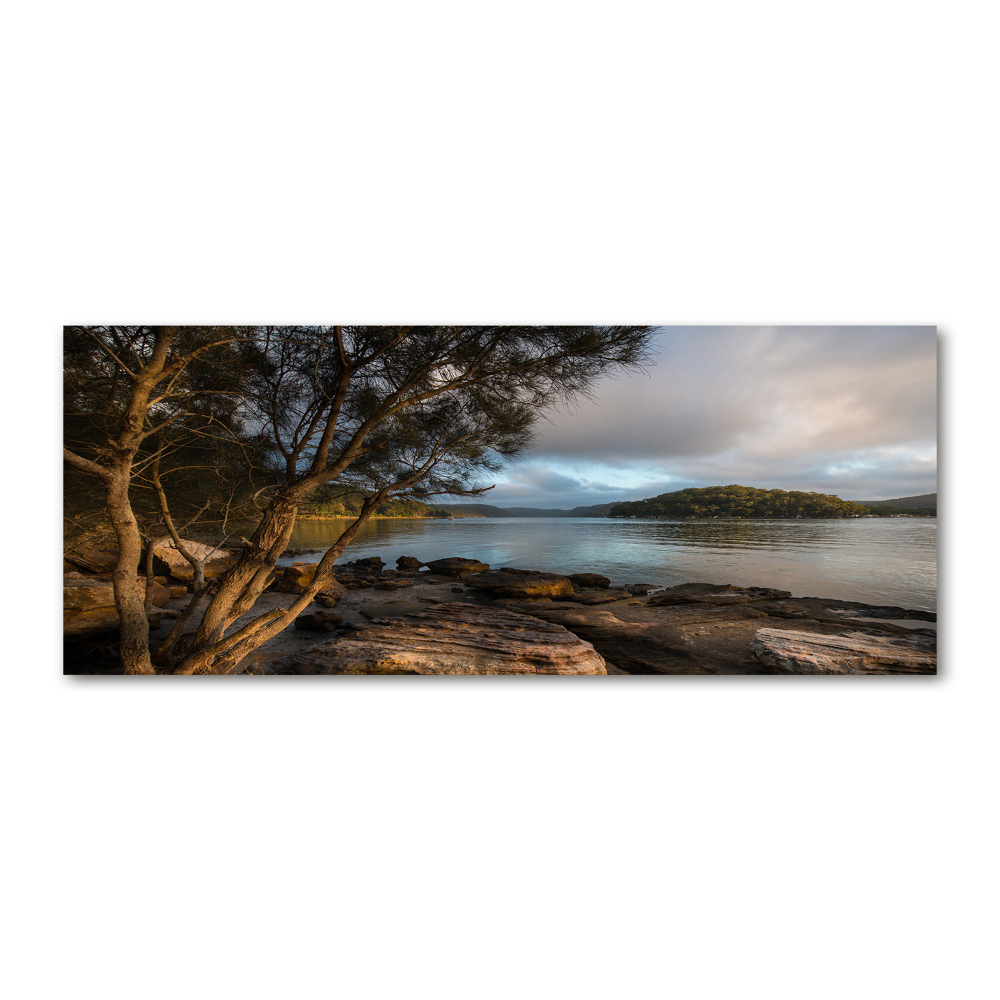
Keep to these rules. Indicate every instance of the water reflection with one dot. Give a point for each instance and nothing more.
(878, 561)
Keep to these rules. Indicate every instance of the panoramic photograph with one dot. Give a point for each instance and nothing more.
(532, 500)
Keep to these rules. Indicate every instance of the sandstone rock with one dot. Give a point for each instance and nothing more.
(327, 599)
(640, 642)
(451, 638)
(703, 638)
(393, 609)
(592, 598)
(408, 564)
(90, 621)
(589, 580)
(372, 566)
(91, 556)
(509, 582)
(81, 594)
(178, 592)
(103, 621)
(641, 589)
(848, 652)
(295, 578)
(456, 566)
(712, 593)
(160, 594)
(166, 559)
(827, 609)
(318, 621)
(393, 584)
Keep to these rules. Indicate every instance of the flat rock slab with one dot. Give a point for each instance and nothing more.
(696, 638)
(638, 641)
(455, 566)
(594, 598)
(90, 621)
(393, 609)
(83, 594)
(714, 593)
(508, 582)
(451, 638)
(827, 609)
(847, 652)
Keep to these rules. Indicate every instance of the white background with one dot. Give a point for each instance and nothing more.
(573, 162)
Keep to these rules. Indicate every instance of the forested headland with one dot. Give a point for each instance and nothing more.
(747, 501)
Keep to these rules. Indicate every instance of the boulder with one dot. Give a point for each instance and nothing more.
(589, 580)
(451, 638)
(408, 564)
(372, 566)
(456, 566)
(295, 578)
(318, 621)
(327, 599)
(508, 582)
(160, 594)
(847, 652)
(166, 559)
(714, 593)
(393, 584)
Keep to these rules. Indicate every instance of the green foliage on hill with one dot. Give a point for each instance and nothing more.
(337, 502)
(924, 505)
(739, 501)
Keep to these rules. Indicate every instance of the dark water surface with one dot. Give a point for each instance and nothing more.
(877, 561)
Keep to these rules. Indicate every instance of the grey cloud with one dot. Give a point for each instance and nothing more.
(768, 392)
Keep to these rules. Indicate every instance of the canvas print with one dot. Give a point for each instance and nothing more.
(499, 500)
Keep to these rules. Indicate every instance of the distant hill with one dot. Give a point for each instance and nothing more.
(739, 501)
(924, 500)
(487, 510)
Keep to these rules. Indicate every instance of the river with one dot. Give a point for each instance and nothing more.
(873, 560)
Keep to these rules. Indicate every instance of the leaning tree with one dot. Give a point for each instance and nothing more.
(390, 412)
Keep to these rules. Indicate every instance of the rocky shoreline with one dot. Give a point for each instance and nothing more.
(460, 616)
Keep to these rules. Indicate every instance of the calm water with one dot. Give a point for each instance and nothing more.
(877, 561)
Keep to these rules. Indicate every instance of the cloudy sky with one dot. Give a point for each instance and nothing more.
(844, 410)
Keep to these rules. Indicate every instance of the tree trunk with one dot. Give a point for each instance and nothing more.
(133, 625)
(244, 583)
(224, 654)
